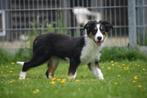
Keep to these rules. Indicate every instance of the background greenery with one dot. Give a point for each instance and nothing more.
(108, 54)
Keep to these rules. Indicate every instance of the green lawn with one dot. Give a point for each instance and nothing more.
(122, 80)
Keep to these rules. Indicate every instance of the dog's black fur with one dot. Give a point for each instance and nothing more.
(51, 45)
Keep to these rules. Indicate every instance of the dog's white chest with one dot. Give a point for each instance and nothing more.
(89, 51)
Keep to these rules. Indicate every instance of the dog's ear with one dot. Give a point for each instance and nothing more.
(105, 26)
(89, 25)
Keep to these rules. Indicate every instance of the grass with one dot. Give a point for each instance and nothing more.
(124, 79)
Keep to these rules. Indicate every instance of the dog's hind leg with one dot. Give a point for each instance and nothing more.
(52, 66)
(34, 62)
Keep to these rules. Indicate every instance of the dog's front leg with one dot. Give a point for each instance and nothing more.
(72, 68)
(94, 67)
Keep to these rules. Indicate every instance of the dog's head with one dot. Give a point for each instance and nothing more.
(97, 30)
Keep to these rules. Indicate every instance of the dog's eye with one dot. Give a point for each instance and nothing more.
(104, 33)
(102, 28)
(95, 30)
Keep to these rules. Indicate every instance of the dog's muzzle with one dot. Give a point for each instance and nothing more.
(99, 40)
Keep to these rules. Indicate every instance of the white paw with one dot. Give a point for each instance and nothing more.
(98, 73)
(50, 76)
(100, 77)
(21, 78)
(22, 75)
(72, 77)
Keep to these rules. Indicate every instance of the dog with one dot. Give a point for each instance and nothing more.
(85, 49)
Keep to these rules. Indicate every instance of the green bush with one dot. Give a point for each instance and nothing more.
(8, 57)
(108, 54)
(23, 54)
(5, 56)
(121, 53)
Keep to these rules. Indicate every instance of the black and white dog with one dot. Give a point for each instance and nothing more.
(50, 47)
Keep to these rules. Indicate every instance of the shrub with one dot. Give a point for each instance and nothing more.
(108, 54)
(121, 53)
(23, 54)
(5, 56)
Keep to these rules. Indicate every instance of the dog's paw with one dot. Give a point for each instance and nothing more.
(100, 77)
(71, 77)
(22, 75)
(21, 78)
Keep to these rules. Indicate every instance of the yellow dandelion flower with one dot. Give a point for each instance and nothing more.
(62, 81)
(139, 86)
(58, 79)
(12, 63)
(136, 77)
(123, 64)
(138, 65)
(143, 69)
(118, 76)
(77, 80)
(126, 68)
(53, 82)
(134, 81)
(11, 81)
(36, 91)
(10, 71)
(112, 61)
(115, 83)
(109, 68)
(54, 78)
(112, 64)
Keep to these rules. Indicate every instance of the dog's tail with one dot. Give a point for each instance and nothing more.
(20, 62)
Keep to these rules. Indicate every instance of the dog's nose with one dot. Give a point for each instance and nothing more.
(99, 38)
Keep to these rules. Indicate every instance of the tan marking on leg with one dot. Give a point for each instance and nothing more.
(51, 70)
